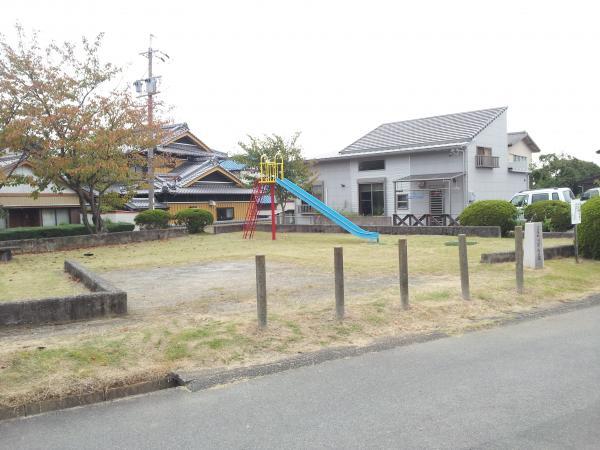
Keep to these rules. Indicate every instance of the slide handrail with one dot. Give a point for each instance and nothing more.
(328, 212)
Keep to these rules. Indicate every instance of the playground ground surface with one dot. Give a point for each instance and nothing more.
(192, 304)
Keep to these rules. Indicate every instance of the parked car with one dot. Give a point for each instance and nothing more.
(525, 198)
(590, 193)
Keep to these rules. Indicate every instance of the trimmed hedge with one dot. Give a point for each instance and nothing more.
(194, 219)
(589, 229)
(554, 215)
(58, 231)
(116, 227)
(490, 213)
(152, 219)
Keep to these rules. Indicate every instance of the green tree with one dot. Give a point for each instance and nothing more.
(296, 169)
(562, 171)
(62, 110)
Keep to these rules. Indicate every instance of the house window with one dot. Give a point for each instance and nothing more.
(519, 158)
(224, 213)
(484, 151)
(370, 196)
(401, 201)
(377, 164)
(317, 191)
(53, 217)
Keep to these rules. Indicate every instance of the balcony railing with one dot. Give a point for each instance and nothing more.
(489, 162)
(304, 209)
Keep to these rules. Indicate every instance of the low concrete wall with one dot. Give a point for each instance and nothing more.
(561, 251)
(358, 220)
(105, 299)
(54, 244)
(443, 231)
(552, 234)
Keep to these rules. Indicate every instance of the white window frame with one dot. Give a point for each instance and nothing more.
(398, 208)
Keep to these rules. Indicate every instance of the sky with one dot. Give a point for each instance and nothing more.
(334, 70)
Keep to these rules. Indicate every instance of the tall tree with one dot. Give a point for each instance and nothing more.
(62, 110)
(562, 170)
(296, 169)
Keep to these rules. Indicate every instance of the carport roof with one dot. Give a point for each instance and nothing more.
(432, 176)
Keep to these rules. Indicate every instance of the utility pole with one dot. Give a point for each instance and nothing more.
(150, 94)
(151, 84)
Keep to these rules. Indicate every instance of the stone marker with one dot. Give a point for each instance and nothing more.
(533, 247)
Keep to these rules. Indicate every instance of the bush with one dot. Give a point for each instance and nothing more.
(61, 230)
(194, 219)
(554, 215)
(152, 219)
(490, 213)
(589, 229)
(113, 227)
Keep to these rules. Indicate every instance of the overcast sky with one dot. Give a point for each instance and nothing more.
(334, 70)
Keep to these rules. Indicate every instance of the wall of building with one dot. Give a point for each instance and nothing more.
(498, 183)
(239, 208)
(520, 149)
(341, 180)
(334, 176)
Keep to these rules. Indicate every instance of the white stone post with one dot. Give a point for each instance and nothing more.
(533, 246)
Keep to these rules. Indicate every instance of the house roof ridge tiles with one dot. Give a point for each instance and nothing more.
(433, 130)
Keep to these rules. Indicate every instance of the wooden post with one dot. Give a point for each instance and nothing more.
(261, 291)
(464, 267)
(403, 265)
(519, 258)
(576, 245)
(338, 263)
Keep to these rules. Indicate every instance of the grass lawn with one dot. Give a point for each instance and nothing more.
(192, 304)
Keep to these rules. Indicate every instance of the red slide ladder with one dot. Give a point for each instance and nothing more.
(258, 191)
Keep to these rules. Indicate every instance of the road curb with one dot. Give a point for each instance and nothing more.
(197, 381)
(73, 401)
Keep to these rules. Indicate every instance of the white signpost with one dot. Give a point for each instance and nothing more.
(533, 246)
(575, 220)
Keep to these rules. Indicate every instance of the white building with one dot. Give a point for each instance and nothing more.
(436, 165)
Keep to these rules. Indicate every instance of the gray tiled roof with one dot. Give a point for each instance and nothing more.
(513, 138)
(215, 189)
(431, 131)
(142, 203)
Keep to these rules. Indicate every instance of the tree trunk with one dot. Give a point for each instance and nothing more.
(96, 217)
(83, 211)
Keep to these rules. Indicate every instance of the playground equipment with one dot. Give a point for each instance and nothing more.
(271, 173)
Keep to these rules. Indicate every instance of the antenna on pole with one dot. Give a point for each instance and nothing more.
(147, 87)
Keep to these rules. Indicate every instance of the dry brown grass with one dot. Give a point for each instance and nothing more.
(53, 361)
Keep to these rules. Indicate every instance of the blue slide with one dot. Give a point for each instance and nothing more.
(331, 214)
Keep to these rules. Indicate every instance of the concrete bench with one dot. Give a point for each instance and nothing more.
(6, 253)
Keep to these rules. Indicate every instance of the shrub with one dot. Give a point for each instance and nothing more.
(152, 219)
(490, 213)
(554, 215)
(61, 230)
(194, 219)
(115, 227)
(589, 229)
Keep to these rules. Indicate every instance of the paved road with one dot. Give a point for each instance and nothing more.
(532, 385)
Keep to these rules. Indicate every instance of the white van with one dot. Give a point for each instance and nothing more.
(590, 193)
(525, 198)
